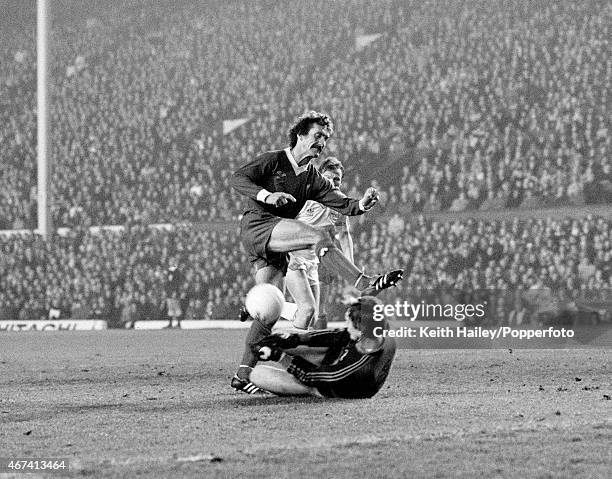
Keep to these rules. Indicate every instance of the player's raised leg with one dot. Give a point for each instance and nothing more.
(291, 235)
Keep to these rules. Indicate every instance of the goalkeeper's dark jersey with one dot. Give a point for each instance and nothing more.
(345, 371)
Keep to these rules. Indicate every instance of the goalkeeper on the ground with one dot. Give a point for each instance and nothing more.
(345, 363)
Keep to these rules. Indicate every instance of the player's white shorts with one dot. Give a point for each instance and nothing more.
(309, 266)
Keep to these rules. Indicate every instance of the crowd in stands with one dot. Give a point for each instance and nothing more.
(567, 258)
(457, 105)
(119, 274)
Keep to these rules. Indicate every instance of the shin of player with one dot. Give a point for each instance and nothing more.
(303, 285)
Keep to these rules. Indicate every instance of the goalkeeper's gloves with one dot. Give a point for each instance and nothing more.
(266, 353)
(271, 347)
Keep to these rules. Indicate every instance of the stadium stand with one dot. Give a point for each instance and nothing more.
(477, 105)
(119, 274)
(445, 105)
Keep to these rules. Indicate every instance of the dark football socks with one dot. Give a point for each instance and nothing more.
(333, 259)
(256, 333)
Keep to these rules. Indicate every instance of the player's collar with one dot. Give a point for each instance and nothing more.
(296, 168)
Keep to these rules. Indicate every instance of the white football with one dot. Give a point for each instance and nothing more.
(264, 302)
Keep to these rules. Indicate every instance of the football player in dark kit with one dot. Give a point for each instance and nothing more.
(278, 184)
(349, 363)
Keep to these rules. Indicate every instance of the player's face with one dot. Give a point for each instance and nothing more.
(350, 327)
(335, 176)
(315, 140)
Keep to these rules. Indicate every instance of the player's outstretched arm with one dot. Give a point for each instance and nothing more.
(281, 341)
(370, 198)
(325, 338)
(328, 195)
(271, 347)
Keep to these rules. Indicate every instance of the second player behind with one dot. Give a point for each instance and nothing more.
(307, 283)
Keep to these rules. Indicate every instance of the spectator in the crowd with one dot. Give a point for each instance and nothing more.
(118, 275)
(457, 105)
(510, 97)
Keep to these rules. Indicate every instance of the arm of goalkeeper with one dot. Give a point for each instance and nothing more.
(271, 347)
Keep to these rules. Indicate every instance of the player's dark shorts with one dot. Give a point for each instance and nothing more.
(255, 231)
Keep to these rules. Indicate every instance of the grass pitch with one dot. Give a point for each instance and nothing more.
(158, 404)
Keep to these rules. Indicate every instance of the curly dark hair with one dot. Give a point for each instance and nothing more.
(304, 123)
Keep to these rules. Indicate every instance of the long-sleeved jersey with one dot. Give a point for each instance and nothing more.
(319, 216)
(345, 372)
(274, 172)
